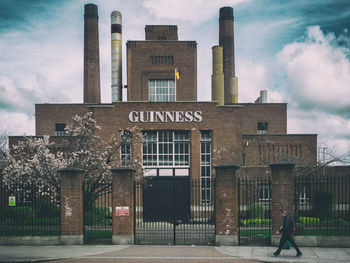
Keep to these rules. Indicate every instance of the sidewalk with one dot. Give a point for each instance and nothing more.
(109, 252)
(310, 254)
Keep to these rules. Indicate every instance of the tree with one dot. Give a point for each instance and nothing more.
(32, 164)
(3, 145)
(33, 161)
(87, 150)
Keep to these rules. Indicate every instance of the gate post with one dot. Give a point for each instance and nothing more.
(72, 227)
(282, 195)
(226, 208)
(123, 206)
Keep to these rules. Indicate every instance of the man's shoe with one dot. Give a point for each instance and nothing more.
(275, 254)
(299, 254)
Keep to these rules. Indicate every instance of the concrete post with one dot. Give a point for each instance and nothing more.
(282, 195)
(226, 206)
(72, 226)
(123, 206)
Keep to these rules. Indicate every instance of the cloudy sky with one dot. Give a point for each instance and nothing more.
(297, 50)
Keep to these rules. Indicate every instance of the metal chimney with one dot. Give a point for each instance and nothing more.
(263, 96)
(226, 40)
(91, 56)
(217, 78)
(116, 56)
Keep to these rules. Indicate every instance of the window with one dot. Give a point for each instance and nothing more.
(166, 148)
(125, 148)
(60, 129)
(161, 90)
(304, 197)
(262, 127)
(206, 165)
(264, 193)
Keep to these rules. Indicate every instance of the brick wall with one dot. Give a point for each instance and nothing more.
(140, 68)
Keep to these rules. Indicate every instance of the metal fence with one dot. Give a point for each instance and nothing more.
(29, 210)
(254, 210)
(98, 215)
(174, 210)
(322, 205)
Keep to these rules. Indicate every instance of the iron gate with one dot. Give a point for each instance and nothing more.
(254, 209)
(98, 215)
(170, 210)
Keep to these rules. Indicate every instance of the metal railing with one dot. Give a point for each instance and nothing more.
(98, 216)
(322, 205)
(28, 210)
(254, 210)
(170, 210)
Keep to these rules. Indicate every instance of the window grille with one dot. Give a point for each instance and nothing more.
(264, 193)
(166, 148)
(206, 165)
(161, 90)
(125, 148)
(60, 129)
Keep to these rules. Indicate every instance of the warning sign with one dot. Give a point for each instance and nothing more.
(121, 210)
(12, 201)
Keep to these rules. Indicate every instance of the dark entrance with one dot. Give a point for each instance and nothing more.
(254, 209)
(169, 210)
(167, 199)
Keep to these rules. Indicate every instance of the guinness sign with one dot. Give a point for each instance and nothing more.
(165, 116)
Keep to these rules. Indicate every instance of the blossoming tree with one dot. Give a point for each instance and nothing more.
(32, 160)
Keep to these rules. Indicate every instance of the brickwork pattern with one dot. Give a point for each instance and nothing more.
(123, 195)
(224, 122)
(275, 114)
(226, 206)
(140, 68)
(262, 150)
(71, 202)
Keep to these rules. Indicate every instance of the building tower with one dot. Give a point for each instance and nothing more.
(91, 56)
(226, 40)
(116, 56)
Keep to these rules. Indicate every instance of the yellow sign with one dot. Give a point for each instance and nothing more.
(12, 201)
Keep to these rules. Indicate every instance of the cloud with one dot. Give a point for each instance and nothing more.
(16, 123)
(195, 11)
(332, 130)
(318, 71)
(252, 78)
(13, 98)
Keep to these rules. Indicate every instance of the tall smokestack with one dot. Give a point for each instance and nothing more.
(116, 56)
(91, 56)
(226, 40)
(217, 78)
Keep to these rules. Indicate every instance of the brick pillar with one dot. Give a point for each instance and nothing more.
(282, 195)
(72, 226)
(226, 207)
(123, 204)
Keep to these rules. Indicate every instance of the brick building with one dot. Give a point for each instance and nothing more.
(182, 136)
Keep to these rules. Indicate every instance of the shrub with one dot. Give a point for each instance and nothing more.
(17, 213)
(47, 209)
(255, 221)
(257, 210)
(97, 215)
(309, 220)
(322, 202)
(336, 222)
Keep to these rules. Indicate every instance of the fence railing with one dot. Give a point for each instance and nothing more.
(98, 215)
(322, 205)
(28, 210)
(254, 209)
(174, 210)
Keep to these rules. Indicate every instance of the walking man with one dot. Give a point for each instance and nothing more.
(287, 232)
